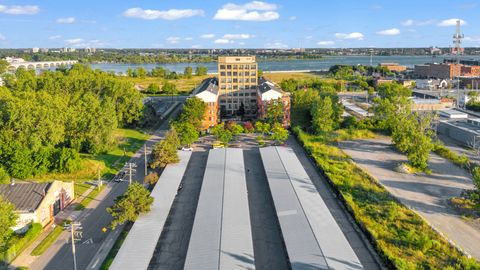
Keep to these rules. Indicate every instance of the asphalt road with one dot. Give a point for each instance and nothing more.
(426, 194)
(94, 218)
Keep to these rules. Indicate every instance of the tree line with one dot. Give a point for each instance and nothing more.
(48, 119)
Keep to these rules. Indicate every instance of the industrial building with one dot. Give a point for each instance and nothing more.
(312, 237)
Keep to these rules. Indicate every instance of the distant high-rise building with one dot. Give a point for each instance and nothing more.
(35, 50)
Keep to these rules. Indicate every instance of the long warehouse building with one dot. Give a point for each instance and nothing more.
(312, 238)
(137, 249)
(221, 236)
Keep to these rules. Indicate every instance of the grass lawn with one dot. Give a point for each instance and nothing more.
(401, 237)
(91, 196)
(109, 163)
(47, 241)
(184, 85)
(278, 77)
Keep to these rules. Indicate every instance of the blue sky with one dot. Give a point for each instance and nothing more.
(236, 24)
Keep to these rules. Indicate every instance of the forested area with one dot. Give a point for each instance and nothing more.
(48, 119)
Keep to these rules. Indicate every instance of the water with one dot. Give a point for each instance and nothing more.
(291, 65)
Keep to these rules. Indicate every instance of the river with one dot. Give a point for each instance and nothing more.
(291, 65)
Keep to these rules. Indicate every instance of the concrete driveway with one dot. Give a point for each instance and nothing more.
(427, 194)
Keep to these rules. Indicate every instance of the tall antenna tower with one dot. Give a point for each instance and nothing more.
(457, 40)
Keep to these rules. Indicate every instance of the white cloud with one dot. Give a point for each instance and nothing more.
(326, 43)
(276, 45)
(2, 37)
(173, 40)
(82, 43)
(54, 37)
(207, 36)
(389, 32)
(292, 18)
(223, 41)
(237, 36)
(353, 36)
(74, 41)
(19, 10)
(241, 43)
(451, 22)
(66, 20)
(308, 37)
(152, 14)
(252, 11)
(196, 46)
(411, 22)
(188, 38)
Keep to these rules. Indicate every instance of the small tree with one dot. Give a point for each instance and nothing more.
(274, 111)
(188, 72)
(165, 151)
(279, 134)
(153, 88)
(128, 206)
(262, 127)
(234, 128)
(169, 88)
(201, 71)
(186, 133)
(7, 220)
(151, 178)
(323, 115)
(248, 127)
(222, 134)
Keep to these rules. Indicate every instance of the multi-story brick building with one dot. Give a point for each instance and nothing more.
(208, 92)
(237, 82)
(472, 71)
(394, 67)
(266, 94)
(437, 71)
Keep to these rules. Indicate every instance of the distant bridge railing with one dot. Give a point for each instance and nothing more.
(40, 65)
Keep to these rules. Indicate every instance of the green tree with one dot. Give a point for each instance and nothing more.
(261, 127)
(140, 72)
(128, 206)
(302, 107)
(194, 112)
(169, 88)
(4, 177)
(186, 132)
(8, 219)
(234, 128)
(153, 88)
(165, 151)
(188, 72)
(3, 66)
(129, 72)
(323, 115)
(274, 111)
(260, 73)
(222, 134)
(279, 134)
(201, 71)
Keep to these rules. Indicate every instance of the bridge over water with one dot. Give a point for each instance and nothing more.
(40, 65)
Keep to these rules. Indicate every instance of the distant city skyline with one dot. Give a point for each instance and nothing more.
(236, 24)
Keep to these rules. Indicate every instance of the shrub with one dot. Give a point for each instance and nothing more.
(248, 127)
(21, 242)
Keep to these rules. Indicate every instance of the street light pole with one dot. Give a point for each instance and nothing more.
(130, 173)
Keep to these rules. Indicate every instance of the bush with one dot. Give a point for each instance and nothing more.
(21, 242)
(248, 127)
(440, 149)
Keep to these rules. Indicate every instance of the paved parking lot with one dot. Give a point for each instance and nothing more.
(427, 194)
(268, 243)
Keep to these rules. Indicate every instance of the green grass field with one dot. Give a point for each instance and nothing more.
(47, 241)
(184, 85)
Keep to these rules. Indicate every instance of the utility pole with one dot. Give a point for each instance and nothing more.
(457, 40)
(72, 229)
(130, 173)
(99, 184)
(145, 156)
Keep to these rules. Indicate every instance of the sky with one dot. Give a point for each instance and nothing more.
(236, 24)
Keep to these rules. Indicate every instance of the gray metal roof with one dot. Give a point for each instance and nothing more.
(137, 249)
(303, 250)
(25, 196)
(236, 244)
(333, 243)
(204, 247)
(221, 236)
(209, 84)
(264, 85)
